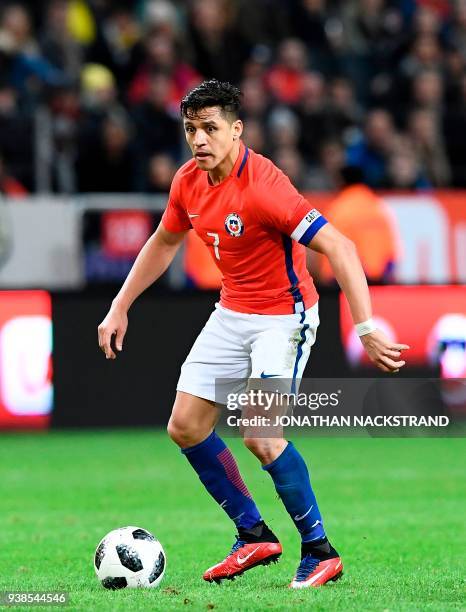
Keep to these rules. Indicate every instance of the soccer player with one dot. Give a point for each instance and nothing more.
(256, 226)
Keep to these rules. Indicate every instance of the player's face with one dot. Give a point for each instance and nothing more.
(211, 136)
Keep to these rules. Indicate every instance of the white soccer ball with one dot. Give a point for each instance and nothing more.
(129, 557)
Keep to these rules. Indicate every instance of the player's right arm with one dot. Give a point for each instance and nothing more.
(152, 261)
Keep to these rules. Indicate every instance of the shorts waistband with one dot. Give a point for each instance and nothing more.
(247, 316)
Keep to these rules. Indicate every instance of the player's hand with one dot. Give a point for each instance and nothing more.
(383, 352)
(114, 324)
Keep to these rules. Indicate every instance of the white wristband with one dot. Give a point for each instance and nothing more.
(366, 327)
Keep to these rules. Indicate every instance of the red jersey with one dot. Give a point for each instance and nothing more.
(253, 223)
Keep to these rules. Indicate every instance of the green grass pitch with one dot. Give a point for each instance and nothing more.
(394, 509)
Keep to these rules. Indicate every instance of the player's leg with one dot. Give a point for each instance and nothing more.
(320, 562)
(219, 354)
(290, 476)
(191, 427)
(287, 468)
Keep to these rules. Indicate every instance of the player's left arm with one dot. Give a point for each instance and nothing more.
(346, 265)
(279, 205)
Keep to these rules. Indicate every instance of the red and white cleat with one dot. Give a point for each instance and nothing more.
(313, 572)
(243, 556)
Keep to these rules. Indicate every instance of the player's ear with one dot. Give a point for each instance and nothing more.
(237, 128)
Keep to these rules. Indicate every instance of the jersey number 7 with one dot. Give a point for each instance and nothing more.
(216, 238)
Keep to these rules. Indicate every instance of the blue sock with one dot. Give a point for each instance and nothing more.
(291, 479)
(218, 472)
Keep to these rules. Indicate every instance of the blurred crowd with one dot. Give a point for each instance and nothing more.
(90, 89)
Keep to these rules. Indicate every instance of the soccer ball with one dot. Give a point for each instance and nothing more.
(129, 557)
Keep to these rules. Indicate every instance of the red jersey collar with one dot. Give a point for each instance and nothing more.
(241, 161)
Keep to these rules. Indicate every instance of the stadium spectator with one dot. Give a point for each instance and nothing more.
(330, 113)
(404, 168)
(427, 20)
(427, 140)
(289, 160)
(20, 61)
(99, 98)
(257, 63)
(371, 26)
(98, 87)
(56, 44)
(456, 30)
(161, 16)
(262, 22)
(424, 57)
(161, 54)
(157, 129)
(373, 33)
(61, 132)
(117, 34)
(427, 91)
(311, 109)
(160, 173)
(15, 21)
(254, 136)
(112, 157)
(455, 67)
(308, 18)
(220, 49)
(371, 151)
(343, 109)
(425, 54)
(283, 125)
(326, 176)
(255, 100)
(327, 62)
(285, 80)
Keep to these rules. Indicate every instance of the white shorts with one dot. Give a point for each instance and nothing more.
(240, 346)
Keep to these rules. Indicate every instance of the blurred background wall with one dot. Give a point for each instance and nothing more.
(362, 103)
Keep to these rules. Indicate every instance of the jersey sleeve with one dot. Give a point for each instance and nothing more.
(175, 218)
(280, 205)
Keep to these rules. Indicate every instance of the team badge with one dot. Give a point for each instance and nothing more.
(234, 225)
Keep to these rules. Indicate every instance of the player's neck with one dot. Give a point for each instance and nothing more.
(224, 168)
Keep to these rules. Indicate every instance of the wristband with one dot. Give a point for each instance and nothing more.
(366, 327)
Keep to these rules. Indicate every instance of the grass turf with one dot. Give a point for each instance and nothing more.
(393, 508)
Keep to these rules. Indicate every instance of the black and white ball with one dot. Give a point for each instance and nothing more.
(129, 557)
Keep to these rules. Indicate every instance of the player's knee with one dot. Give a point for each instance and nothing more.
(265, 449)
(177, 431)
(183, 433)
(257, 446)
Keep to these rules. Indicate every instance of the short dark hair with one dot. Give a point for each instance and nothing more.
(212, 93)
